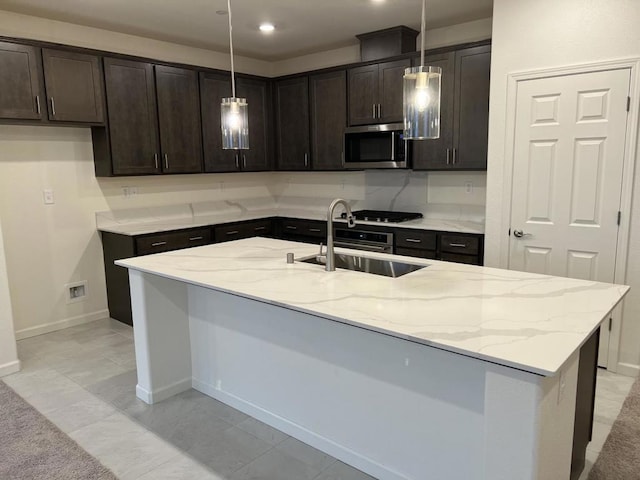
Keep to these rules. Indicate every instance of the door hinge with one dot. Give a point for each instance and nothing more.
(628, 103)
(610, 323)
(619, 217)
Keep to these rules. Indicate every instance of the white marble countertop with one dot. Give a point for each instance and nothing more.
(522, 320)
(142, 227)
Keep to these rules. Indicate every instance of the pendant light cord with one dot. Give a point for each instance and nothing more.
(422, 32)
(233, 77)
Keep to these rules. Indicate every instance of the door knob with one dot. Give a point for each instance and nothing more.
(520, 234)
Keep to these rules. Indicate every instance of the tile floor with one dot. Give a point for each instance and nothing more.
(83, 379)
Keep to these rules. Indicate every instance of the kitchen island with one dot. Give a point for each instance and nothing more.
(452, 371)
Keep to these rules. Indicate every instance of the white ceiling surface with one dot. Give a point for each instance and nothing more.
(302, 26)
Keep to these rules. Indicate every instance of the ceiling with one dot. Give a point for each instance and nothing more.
(302, 26)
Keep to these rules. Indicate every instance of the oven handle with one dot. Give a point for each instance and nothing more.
(368, 248)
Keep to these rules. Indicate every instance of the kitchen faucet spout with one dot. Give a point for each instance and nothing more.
(351, 221)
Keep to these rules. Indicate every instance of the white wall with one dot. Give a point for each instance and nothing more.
(8, 355)
(537, 34)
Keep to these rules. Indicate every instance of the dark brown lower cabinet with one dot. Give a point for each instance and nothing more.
(449, 247)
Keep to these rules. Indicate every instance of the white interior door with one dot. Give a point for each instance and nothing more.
(567, 176)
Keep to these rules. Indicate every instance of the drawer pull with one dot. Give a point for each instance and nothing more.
(461, 245)
(315, 230)
(413, 240)
(291, 227)
(193, 239)
(260, 228)
(233, 232)
(158, 244)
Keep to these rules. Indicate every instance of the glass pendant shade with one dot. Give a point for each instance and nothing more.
(235, 123)
(422, 86)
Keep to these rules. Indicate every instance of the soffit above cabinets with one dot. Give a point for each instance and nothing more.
(302, 26)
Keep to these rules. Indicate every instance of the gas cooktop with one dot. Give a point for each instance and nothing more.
(383, 216)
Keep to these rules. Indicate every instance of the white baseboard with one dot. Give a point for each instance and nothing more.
(162, 393)
(59, 325)
(9, 368)
(628, 369)
(307, 436)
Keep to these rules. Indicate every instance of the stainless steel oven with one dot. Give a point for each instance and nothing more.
(361, 239)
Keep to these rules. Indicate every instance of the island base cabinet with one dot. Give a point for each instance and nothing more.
(392, 408)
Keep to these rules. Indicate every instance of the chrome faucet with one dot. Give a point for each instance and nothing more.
(351, 221)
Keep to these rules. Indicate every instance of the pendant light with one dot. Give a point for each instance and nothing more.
(421, 96)
(234, 111)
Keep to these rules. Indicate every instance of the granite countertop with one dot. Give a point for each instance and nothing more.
(521, 320)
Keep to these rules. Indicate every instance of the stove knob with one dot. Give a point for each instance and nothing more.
(386, 220)
(379, 219)
(366, 219)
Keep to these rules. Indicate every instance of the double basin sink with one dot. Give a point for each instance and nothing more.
(375, 266)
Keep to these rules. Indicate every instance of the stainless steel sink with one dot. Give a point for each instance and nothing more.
(375, 266)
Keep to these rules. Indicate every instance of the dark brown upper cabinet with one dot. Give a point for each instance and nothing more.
(328, 102)
(375, 93)
(133, 121)
(179, 119)
(464, 111)
(74, 86)
(21, 93)
(213, 88)
(292, 124)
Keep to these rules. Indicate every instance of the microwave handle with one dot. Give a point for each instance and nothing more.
(393, 146)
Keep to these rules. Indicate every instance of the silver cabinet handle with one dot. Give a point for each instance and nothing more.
(306, 159)
(158, 244)
(232, 232)
(259, 228)
(461, 245)
(379, 110)
(453, 157)
(237, 161)
(193, 239)
(38, 104)
(413, 240)
(373, 114)
(53, 107)
(520, 234)
(291, 227)
(315, 230)
(244, 161)
(448, 155)
(166, 161)
(155, 159)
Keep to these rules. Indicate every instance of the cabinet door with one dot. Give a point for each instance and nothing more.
(20, 82)
(328, 102)
(179, 119)
(471, 117)
(258, 157)
(436, 154)
(363, 95)
(213, 88)
(74, 86)
(391, 75)
(133, 117)
(292, 123)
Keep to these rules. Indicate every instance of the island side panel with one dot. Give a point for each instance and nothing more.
(392, 408)
(161, 335)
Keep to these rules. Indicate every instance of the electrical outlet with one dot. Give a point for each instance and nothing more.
(468, 187)
(47, 195)
(129, 191)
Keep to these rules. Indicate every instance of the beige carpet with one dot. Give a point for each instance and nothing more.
(31, 447)
(619, 458)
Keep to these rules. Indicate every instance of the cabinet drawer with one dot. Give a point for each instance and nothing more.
(416, 239)
(164, 242)
(260, 228)
(415, 252)
(305, 228)
(460, 244)
(453, 257)
(226, 233)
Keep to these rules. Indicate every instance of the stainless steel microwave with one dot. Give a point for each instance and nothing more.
(375, 146)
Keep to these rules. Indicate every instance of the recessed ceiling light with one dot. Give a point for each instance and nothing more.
(267, 27)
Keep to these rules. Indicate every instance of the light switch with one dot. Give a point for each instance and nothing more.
(47, 194)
